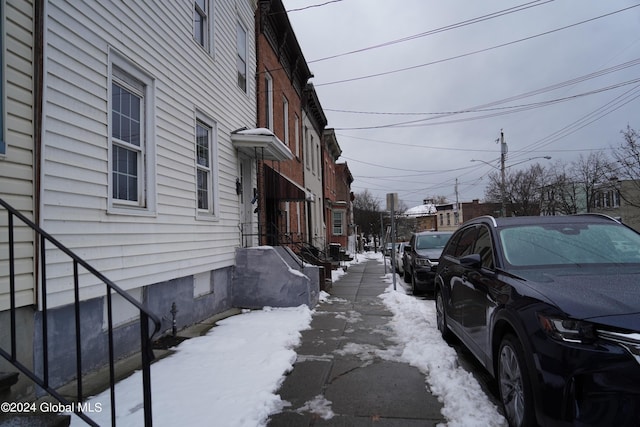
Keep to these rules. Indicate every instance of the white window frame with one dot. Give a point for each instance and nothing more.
(307, 155)
(269, 100)
(339, 214)
(206, 41)
(212, 170)
(285, 120)
(242, 56)
(296, 134)
(126, 75)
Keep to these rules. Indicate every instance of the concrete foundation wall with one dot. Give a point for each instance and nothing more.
(266, 276)
(95, 354)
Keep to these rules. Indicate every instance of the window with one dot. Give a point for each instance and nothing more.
(132, 152)
(285, 120)
(268, 96)
(337, 223)
(313, 154)
(465, 244)
(201, 22)
(484, 248)
(206, 170)
(307, 151)
(127, 136)
(241, 42)
(296, 133)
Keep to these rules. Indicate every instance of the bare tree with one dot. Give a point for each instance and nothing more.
(560, 194)
(522, 190)
(626, 165)
(589, 173)
(366, 213)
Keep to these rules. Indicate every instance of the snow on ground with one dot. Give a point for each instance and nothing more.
(230, 376)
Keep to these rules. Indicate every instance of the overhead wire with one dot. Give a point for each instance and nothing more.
(451, 58)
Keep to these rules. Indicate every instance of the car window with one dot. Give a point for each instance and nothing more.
(451, 245)
(465, 244)
(432, 241)
(565, 244)
(484, 248)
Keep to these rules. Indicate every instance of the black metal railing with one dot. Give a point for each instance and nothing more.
(43, 380)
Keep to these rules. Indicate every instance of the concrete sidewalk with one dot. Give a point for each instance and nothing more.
(362, 391)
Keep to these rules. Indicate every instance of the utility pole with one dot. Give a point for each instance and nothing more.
(503, 157)
(456, 213)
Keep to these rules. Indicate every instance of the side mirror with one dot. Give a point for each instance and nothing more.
(471, 261)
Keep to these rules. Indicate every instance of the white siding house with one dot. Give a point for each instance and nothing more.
(135, 170)
(313, 124)
(17, 141)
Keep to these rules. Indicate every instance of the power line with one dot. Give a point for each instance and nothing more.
(385, 73)
(441, 29)
(313, 6)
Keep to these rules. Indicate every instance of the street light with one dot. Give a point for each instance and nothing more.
(503, 209)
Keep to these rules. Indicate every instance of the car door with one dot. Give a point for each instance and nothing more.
(478, 282)
(452, 274)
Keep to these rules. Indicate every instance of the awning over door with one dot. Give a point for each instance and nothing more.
(260, 143)
(279, 187)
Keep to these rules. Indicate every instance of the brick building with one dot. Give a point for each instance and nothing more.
(282, 74)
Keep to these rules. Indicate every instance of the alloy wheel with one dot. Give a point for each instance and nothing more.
(511, 385)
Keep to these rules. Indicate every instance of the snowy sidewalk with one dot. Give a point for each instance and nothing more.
(366, 354)
(348, 371)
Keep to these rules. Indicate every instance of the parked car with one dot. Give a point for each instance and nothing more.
(387, 249)
(550, 305)
(421, 259)
(399, 255)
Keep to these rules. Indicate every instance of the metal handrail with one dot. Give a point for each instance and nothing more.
(43, 381)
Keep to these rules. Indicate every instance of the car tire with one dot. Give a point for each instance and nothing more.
(407, 276)
(441, 315)
(514, 384)
(414, 291)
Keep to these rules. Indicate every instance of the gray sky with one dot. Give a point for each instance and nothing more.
(457, 56)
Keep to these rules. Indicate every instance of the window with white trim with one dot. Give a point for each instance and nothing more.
(241, 47)
(131, 139)
(127, 139)
(202, 21)
(285, 120)
(338, 219)
(206, 167)
(296, 133)
(268, 96)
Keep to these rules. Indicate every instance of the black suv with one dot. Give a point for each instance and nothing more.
(550, 306)
(420, 259)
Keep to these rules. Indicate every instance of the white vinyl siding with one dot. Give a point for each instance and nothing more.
(3, 147)
(17, 158)
(165, 240)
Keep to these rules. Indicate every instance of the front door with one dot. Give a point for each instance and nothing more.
(248, 203)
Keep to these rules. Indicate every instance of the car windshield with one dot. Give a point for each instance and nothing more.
(570, 244)
(432, 241)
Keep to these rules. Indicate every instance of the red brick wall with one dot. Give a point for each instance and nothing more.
(282, 88)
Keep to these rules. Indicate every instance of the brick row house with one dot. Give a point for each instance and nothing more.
(154, 144)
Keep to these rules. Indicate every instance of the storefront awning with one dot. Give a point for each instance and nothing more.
(260, 143)
(279, 187)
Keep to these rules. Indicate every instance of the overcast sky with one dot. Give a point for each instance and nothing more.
(390, 73)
